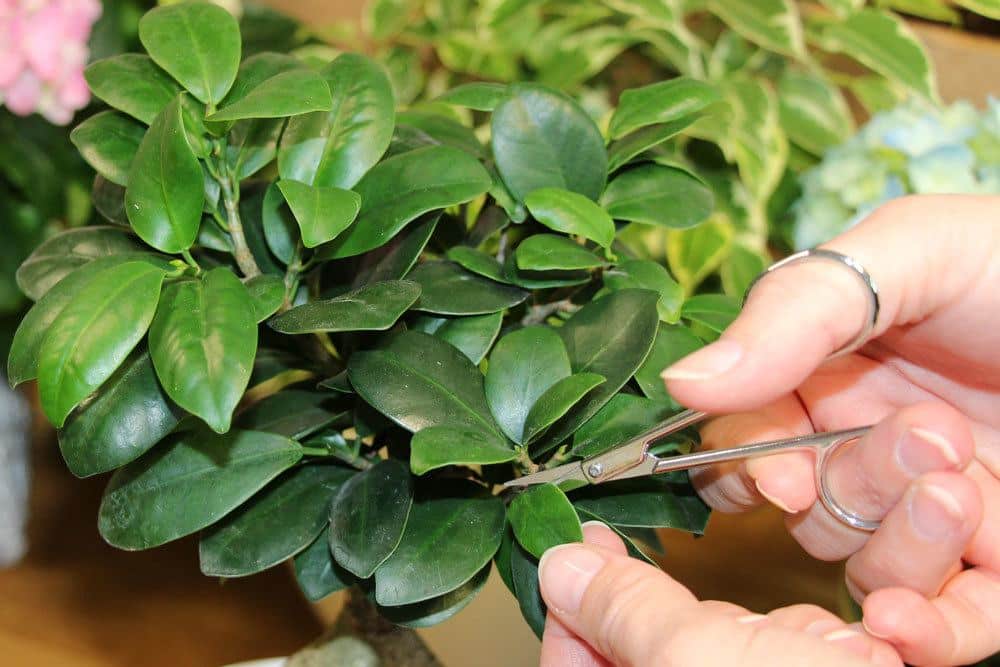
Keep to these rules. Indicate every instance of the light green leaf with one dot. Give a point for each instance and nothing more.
(267, 293)
(108, 141)
(132, 83)
(740, 269)
(447, 289)
(987, 8)
(203, 343)
(94, 334)
(441, 446)
(644, 503)
(644, 274)
(876, 93)
(290, 93)
(543, 139)
(673, 101)
(188, 484)
(673, 343)
(571, 213)
(658, 195)
(477, 261)
(479, 95)
(557, 401)
(374, 307)
(813, 112)
(772, 24)
(714, 311)
(197, 43)
(337, 148)
(693, 254)
(633, 144)
(542, 517)
(165, 191)
(546, 252)
(274, 525)
(624, 416)
(404, 187)
(756, 140)
(322, 213)
(523, 365)
(472, 335)
(316, 573)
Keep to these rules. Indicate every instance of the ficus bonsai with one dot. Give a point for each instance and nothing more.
(317, 328)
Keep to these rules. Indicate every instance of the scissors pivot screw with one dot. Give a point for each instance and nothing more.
(595, 470)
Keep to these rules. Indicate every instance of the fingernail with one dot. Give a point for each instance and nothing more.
(774, 500)
(752, 618)
(591, 524)
(876, 635)
(564, 572)
(706, 363)
(920, 451)
(934, 513)
(823, 626)
(844, 634)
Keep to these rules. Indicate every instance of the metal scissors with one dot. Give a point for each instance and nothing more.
(632, 459)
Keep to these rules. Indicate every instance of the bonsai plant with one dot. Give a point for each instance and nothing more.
(314, 328)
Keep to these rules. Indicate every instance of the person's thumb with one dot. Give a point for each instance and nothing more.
(634, 614)
(924, 253)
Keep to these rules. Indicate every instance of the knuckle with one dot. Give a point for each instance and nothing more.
(694, 639)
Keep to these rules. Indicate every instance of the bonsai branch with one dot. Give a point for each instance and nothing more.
(230, 189)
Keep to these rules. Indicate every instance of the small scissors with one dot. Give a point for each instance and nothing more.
(632, 459)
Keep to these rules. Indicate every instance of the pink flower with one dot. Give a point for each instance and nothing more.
(43, 49)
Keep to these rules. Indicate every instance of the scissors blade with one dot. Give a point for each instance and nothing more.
(568, 472)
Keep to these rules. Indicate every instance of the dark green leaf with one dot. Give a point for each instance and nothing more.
(623, 417)
(644, 274)
(197, 43)
(630, 546)
(647, 503)
(542, 517)
(570, 213)
(322, 213)
(447, 540)
(368, 516)
(503, 557)
(672, 344)
(374, 307)
(129, 415)
(395, 259)
(252, 145)
(277, 523)
(279, 225)
(472, 335)
(316, 573)
(661, 102)
(437, 610)
(547, 252)
(109, 200)
(635, 143)
(610, 337)
(524, 573)
(267, 293)
(557, 401)
(443, 130)
(94, 334)
(479, 95)
(337, 148)
(290, 93)
(404, 187)
(658, 195)
(440, 446)
(523, 365)
(477, 261)
(188, 484)
(447, 289)
(108, 141)
(543, 139)
(132, 83)
(203, 343)
(165, 191)
(715, 311)
(293, 413)
(541, 279)
(338, 383)
(442, 387)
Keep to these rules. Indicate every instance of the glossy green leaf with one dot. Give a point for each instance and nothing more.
(277, 523)
(611, 337)
(673, 343)
(477, 261)
(94, 334)
(543, 139)
(633, 144)
(571, 213)
(658, 195)
(546, 252)
(671, 101)
(109, 200)
(534, 280)
(631, 547)
(440, 446)
(197, 43)
(442, 385)
(772, 24)
(503, 556)
(189, 483)
(472, 335)
(165, 191)
(813, 112)
(693, 254)
(523, 365)
(447, 289)
(322, 213)
(884, 43)
(623, 417)
(645, 503)
(437, 610)
(542, 517)
(557, 401)
(524, 573)
(127, 416)
(478, 95)
(374, 307)
(316, 573)
(447, 540)
(715, 311)
(108, 141)
(336, 148)
(290, 93)
(403, 187)
(203, 343)
(252, 145)
(368, 515)
(395, 259)
(644, 274)
(67, 251)
(443, 130)
(132, 83)
(281, 229)
(740, 268)
(293, 413)
(267, 293)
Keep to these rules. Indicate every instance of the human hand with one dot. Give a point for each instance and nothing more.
(605, 608)
(929, 578)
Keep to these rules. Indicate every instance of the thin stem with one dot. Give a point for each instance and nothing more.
(292, 277)
(316, 451)
(231, 199)
(186, 254)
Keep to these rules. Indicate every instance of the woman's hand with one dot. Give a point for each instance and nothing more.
(929, 578)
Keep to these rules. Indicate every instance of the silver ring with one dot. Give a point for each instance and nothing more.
(856, 268)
